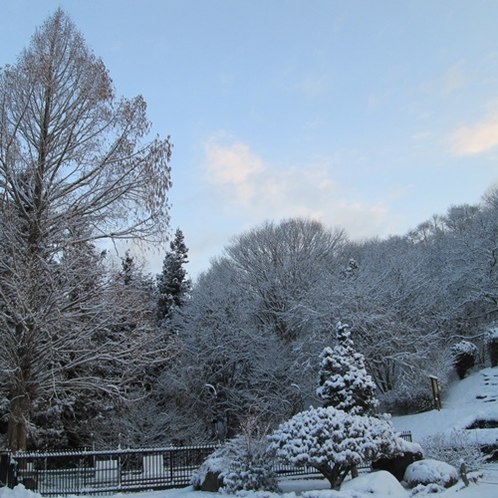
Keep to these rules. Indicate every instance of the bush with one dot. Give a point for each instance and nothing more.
(492, 346)
(464, 357)
(454, 448)
(407, 401)
(242, 464)
(431, 472)
(333, 441)
(250, 471)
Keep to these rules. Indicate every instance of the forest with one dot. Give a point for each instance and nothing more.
(96, 352)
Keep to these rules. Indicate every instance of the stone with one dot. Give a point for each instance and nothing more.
(397, 465)
(212, 482)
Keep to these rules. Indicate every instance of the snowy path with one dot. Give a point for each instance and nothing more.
(491, 476)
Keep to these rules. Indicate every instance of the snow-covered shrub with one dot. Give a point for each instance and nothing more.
(18, 492)
(397, 464)
(464, 357)
(243, 463)
(250, 472)
(492, 346)
(333, 441)
(431, 471)
(252, 467)
(454, 448)
(407, 400)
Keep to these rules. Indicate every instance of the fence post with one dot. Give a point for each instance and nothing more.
(8, 475)
(435, 392)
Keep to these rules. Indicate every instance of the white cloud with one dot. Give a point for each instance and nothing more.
(243, 185)
(475, 139)
(232, 165)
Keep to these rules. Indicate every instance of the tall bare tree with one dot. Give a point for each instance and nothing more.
(76, 166)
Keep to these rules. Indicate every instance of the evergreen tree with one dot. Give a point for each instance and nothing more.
(334, 442)
(344, 381)
(127, 267)
(173, 284)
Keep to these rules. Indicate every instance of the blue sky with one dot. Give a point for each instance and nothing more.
(371, 116)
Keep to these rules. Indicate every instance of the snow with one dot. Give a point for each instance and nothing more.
(379, 483)
(325, 435)
(464, 347)
(468, 400)
(473, 398)
(492, 335)
(344, 381)
(431, 471)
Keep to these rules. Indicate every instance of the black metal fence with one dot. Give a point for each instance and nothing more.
(128, 470)
(106, 472)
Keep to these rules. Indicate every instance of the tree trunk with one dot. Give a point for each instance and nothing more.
(18, 420)
(335, 474)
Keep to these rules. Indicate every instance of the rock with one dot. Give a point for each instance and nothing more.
(397, 465)
(212, 482)
(431, 471)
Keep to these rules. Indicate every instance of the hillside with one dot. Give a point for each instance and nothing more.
(469, 401)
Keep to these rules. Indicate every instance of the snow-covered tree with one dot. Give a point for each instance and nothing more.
(333, 441)
(228, 366)
(173, 284)
(75, 168)
(397, 303)
(281, 268)
(344, 382)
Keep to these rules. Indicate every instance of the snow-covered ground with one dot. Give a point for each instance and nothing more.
(474, 398)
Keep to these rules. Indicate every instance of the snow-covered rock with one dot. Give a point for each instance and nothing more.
(431, 471)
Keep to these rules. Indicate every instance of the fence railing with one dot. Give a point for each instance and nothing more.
(106, 472)
(125, 470)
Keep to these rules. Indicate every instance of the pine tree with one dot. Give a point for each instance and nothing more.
(127, 267)
(344, 382)
(173, 284)
(333, 442)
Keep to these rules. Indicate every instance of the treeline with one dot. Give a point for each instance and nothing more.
(258, 318)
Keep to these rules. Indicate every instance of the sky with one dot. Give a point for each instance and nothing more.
(367, 116)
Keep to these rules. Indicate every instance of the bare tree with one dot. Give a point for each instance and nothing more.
(76, 166)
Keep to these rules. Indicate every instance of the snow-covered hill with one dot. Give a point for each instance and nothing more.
(470, 400)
